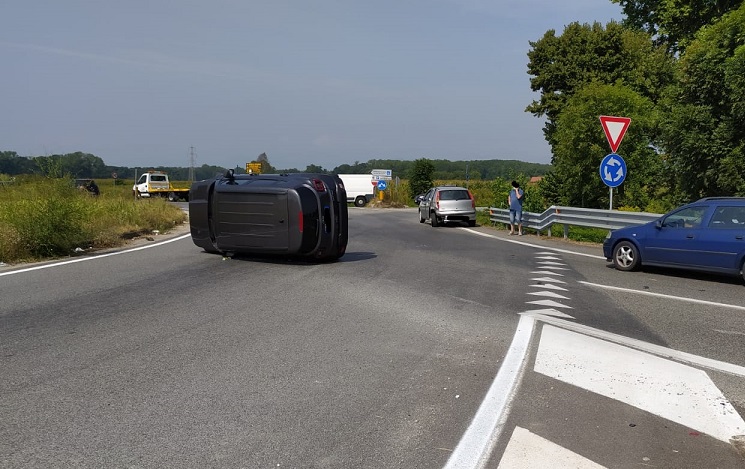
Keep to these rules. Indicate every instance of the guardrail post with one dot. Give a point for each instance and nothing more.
(566, 231)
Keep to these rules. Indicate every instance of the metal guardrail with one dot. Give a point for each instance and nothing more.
(571, 216)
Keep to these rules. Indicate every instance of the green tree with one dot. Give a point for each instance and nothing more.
(12, 164)
(704, 133)
(420, 177)
(312, 168)
(563, 65)
(674, 23)
(580, 146)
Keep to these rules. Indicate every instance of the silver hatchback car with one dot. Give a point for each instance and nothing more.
(444, 204)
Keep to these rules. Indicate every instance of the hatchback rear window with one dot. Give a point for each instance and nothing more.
(454, 195)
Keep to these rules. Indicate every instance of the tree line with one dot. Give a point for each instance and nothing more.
(86, 165)
(677, 69)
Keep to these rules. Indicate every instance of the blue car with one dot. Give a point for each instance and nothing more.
(707, 235)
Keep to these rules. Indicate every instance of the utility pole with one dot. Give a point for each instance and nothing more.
(192, 158)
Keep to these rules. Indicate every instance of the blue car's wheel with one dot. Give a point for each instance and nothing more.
(626, 256)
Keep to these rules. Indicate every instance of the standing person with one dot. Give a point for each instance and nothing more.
(515, 199)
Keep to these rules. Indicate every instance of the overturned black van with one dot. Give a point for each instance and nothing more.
(296, 214)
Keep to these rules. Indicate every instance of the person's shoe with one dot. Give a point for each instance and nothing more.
(520, 234)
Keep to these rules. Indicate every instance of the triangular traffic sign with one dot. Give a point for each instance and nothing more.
(615, 128)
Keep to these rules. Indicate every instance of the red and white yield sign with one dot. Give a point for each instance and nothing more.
(615, 128)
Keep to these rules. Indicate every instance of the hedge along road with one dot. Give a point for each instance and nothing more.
(172, 355)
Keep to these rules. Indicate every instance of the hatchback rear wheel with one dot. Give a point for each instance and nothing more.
(433, 220)
(626, 256)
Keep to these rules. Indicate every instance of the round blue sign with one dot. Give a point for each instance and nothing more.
(382, 185)
(613, 170)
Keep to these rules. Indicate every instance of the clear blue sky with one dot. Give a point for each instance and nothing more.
(323, 82)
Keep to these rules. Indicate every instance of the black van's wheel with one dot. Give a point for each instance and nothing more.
(742, 271)
(626, 256)
(433, 220)
(360, 201)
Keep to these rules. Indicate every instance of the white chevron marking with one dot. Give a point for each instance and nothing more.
(527, 449)
(549, 303)
(673, 391)
(549, 294)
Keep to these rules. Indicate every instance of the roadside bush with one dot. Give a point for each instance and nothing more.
(48, 217)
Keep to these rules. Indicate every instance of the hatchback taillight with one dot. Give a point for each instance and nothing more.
(473, 201)
(437, 200)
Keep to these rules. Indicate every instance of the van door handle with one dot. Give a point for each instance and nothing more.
(738, 237)
(689, 237)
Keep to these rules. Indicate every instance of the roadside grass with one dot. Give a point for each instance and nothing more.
(44, 217)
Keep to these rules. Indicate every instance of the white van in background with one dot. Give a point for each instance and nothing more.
(359, 188)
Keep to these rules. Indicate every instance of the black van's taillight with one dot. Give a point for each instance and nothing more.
(318, 185)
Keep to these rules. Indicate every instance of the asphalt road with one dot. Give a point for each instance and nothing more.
(166, 356)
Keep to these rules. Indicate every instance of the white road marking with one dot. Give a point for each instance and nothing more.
(92, 258)
(664, 352)
(662, 295)
(550, 286)
(528, 450)
(551, 267)
(549, 303)
(548, 279)
(486, 235)
(729, 332)
(673, 391)
(548, 294)
(548, 312)
(549, 258)
(550, 263)
(476, 444)
(546, 272)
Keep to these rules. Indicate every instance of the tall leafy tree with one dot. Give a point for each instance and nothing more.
(704, 133)
(420, 177)
(563, 65)
(580, 145)
(674, 23)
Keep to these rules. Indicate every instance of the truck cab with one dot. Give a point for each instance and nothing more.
(156, 183)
